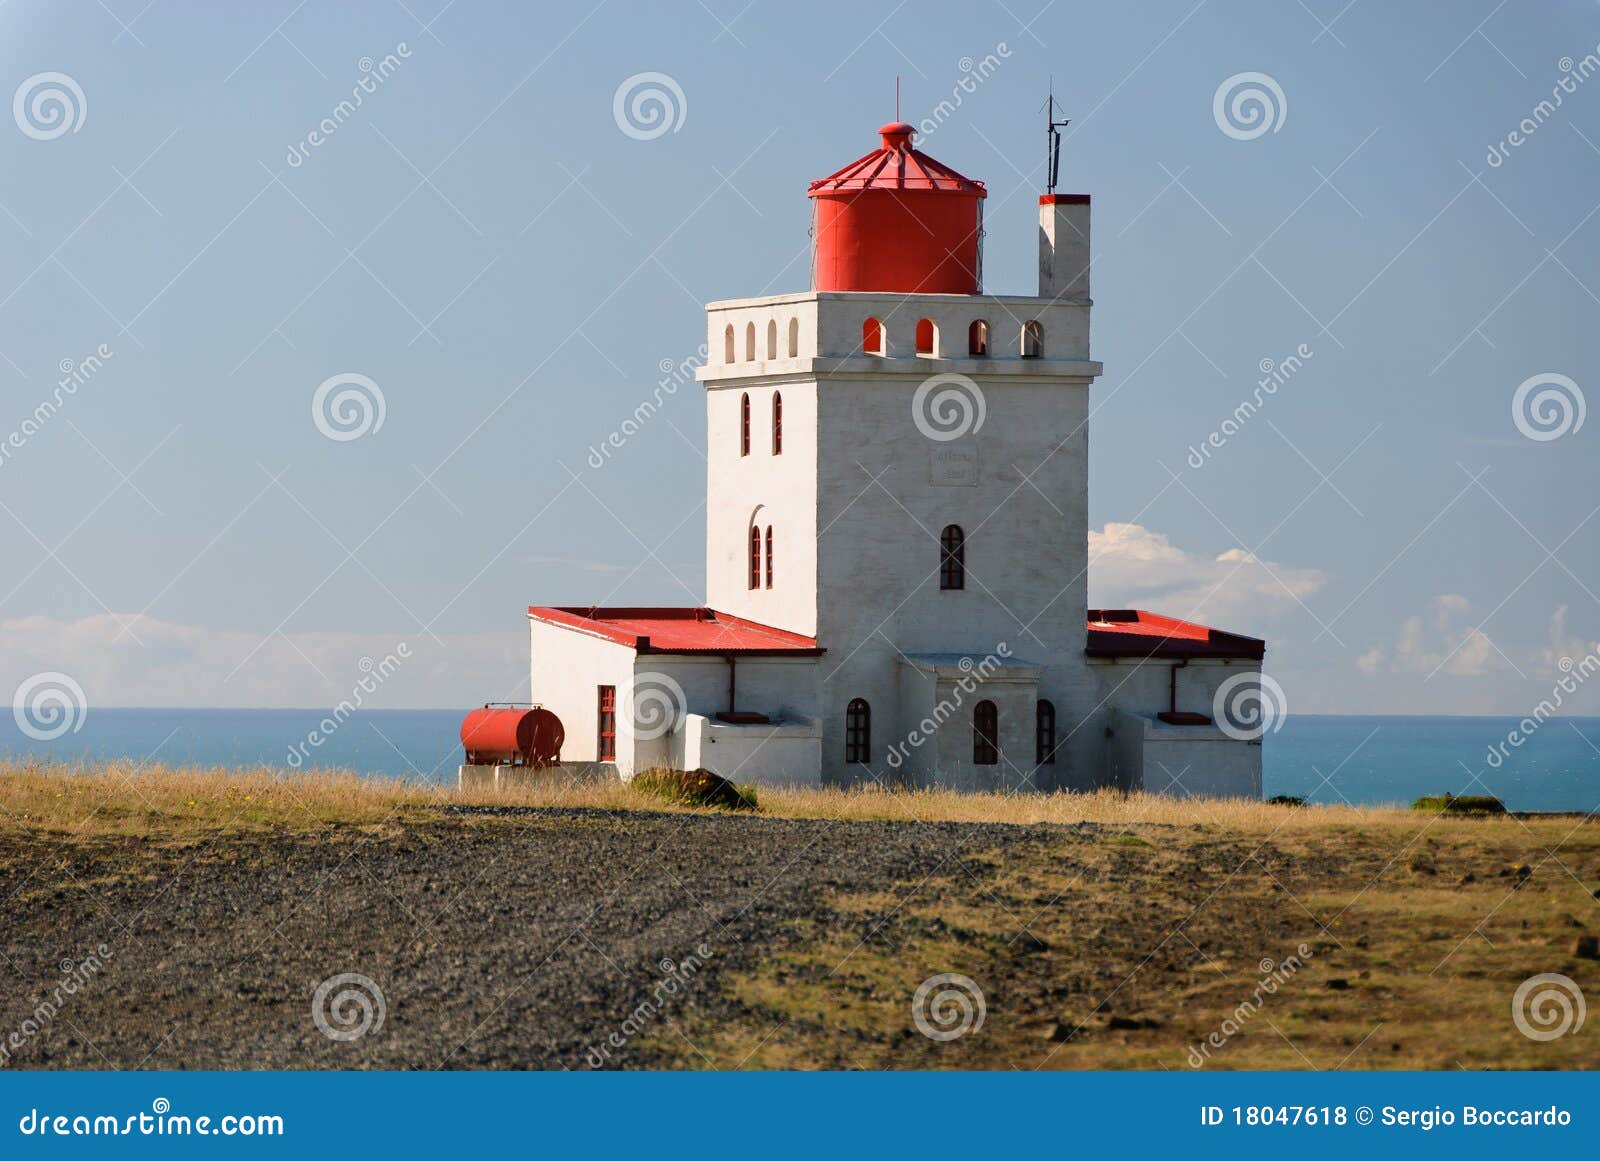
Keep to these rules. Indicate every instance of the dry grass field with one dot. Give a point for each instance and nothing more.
(1093, 931)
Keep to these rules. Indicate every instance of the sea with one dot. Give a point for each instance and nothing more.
(1358, 760)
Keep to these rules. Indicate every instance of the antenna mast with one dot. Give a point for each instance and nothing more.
(1053, 139)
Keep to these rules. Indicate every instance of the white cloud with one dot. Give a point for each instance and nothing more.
(1563, 645)
(1133, 566)
(1437, 642)
(161, 663)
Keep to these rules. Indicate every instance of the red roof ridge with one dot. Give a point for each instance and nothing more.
(1140, 633)
(676, 629)
(896, 169)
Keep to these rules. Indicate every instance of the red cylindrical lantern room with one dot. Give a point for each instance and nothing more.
(897, 220)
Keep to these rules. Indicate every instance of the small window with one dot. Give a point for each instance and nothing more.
(772, 339)
(858, 732)
(777, 423)
(872, 341)
(755, 556)
(769, 556)
(952, 558)
(927, 338)
(985, 734)
(744, 424)
(750, 342)
(1045, 728)
(794, 338)
(607, 745)
(727, 344)
(1032, 340)
(977, 338)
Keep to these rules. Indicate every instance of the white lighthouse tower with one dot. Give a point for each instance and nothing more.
(896, 536)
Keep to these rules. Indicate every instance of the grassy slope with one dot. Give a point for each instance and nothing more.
(1153, 913)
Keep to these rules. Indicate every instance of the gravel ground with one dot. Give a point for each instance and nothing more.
(499, 938)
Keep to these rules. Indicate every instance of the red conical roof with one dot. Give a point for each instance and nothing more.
(896, 165)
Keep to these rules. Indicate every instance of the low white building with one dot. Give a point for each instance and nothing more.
(897, 539)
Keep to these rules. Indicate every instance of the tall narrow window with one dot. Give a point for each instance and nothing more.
(794, 338)
(606, 747)
(772, 339)
(927, 338)
(755, 556)
(977, 338)
(750, 342)
(777, 423)
(952, 558)
(727, 344)
(1045, 727)
(744, 424)
(769, 556)
(985, 734)
(1032, 340)
(858, 731)
(872, 337)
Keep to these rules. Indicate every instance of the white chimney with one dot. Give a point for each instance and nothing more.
(1064, 246)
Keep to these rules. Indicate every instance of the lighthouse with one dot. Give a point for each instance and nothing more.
(897, 536)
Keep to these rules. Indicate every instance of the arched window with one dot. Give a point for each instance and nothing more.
(872, 341)
(977, 338)
(1032, 340)
(777, 423)
(727, 344)
(744, 424)
(927, 338)
(985, 734)
(952, 558)
(858, 731)
(755, 556)
(1045, 734)
(772, 339)
(769, 556)
(794, 338)
(750, 342)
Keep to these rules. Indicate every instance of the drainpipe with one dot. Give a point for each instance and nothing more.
(1172, 686)
(729, 659)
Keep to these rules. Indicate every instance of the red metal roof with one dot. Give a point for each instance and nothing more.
(1137, 633)
(896, 165)
(677, 630)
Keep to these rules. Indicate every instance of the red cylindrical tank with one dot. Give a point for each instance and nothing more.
(897, 220)
(500, 736)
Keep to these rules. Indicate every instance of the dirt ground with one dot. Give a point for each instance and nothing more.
(552, 937)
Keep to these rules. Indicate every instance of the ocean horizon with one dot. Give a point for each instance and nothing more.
(1364, 760)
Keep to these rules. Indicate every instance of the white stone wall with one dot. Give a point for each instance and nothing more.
(765, 490)
(1144, 753)
(778, 754)
(567, 670)
(830, 328)
(1182, 761)
(871, 591)
(1026, 548)
(1143, 686)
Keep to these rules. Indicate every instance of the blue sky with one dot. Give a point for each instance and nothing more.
(485, 244)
